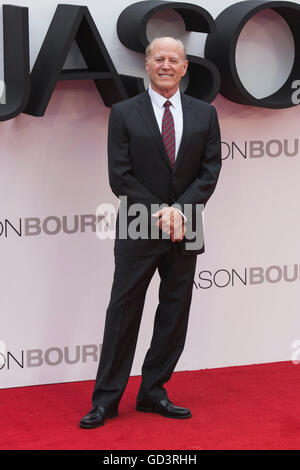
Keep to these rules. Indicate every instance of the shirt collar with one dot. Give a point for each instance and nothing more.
(160, 100)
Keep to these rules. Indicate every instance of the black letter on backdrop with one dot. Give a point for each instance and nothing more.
(204, 77)
(16, 61)
(73, 22)
(220, 48)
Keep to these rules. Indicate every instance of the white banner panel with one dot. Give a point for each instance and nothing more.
(56, 274)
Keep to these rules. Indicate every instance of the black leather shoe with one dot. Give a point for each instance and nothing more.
(95, 418)
(165, 408)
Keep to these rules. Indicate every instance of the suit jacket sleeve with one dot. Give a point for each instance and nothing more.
(121, 178)
(200, 190)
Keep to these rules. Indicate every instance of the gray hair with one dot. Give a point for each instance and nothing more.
(151, 44)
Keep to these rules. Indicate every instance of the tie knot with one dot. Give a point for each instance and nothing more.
(167, 104)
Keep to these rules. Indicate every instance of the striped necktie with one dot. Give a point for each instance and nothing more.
(168, 132)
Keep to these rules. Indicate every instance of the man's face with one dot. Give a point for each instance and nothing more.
(165, 66)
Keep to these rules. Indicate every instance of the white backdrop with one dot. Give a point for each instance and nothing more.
(55, 288)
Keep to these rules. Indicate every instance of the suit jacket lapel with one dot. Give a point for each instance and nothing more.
(187, 112)
(147, 113)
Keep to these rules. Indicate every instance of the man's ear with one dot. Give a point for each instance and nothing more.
(186, 63)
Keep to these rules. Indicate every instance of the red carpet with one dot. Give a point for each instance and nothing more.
(249, 407)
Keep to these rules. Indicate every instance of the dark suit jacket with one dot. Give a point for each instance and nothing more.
(140, 169)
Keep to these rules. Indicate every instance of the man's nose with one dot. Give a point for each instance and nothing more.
(166, 64)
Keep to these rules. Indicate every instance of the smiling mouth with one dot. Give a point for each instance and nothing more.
(165, 75)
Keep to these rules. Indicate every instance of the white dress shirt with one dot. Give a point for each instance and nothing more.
(158, 102)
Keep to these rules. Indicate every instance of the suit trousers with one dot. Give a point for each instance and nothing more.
(123, 317)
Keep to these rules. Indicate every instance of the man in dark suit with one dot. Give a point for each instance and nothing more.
(163, 149)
